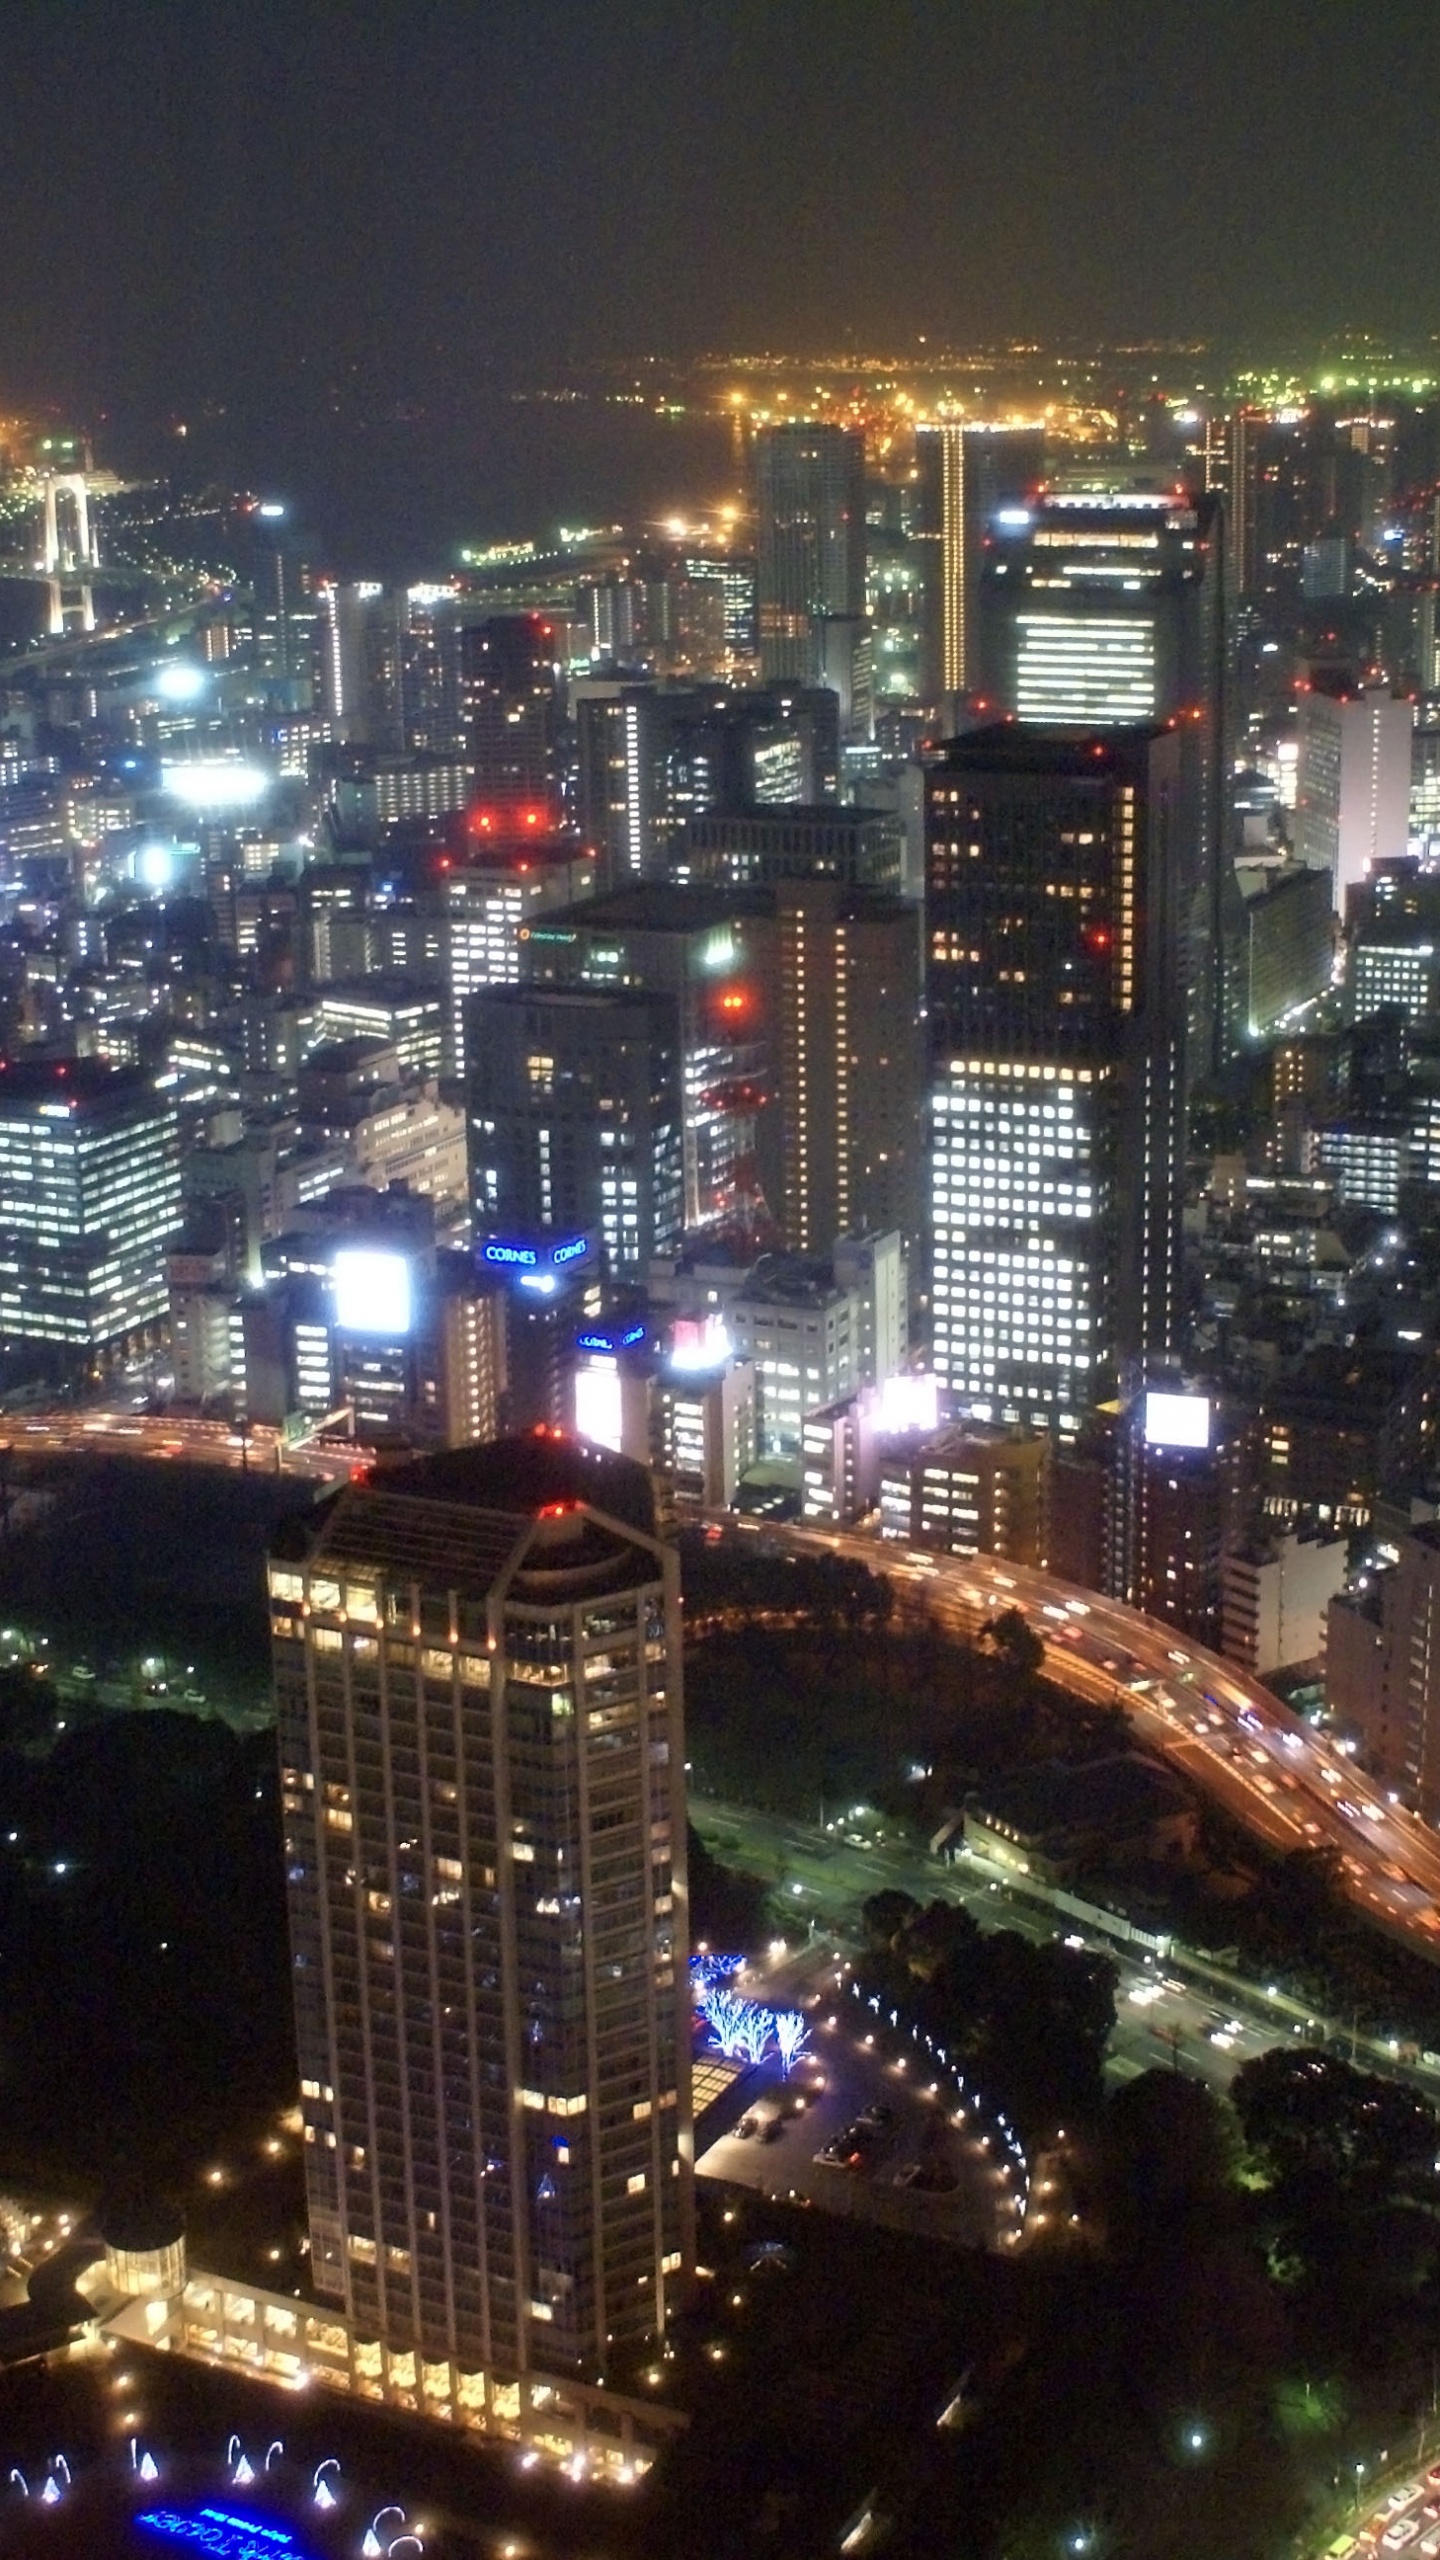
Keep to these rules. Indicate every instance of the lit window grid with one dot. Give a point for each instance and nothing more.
(1016, 1315)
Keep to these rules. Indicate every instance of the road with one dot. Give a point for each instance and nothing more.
(1168, 2012)
(1289, 1785)
(115, 1432)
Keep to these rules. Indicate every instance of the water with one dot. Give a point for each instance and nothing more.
(398, 495)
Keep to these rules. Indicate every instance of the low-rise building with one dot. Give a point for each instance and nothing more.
(1052, 1821)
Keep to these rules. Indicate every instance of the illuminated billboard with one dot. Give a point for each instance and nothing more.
(909, 1402)
(215, 783)
(372, 1290)
(599, 1405)
(1176, 1421)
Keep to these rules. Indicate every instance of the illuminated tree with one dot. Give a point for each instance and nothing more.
(792, 2035)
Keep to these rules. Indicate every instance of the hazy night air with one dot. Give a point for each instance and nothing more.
(719, 1280)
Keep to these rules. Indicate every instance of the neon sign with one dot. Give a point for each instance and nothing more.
(532, 1257)
(222, 2532)
(610, 1341)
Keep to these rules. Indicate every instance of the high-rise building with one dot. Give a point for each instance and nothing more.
(1105, 608)
(714, 952)
(512, 707)
(1056, 1072)
(576, 1113)
(478, 1684)
(865, 848)
(89, 1205)
(810, 487)
(652, 757)
(848, 1072)
(1352, 793)
(964, 475)
(500, 893)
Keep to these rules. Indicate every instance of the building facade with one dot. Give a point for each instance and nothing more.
(89, 1204)
(1056, 1025)
(477, 1669)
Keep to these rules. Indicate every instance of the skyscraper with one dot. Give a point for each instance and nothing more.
(575, 1109)
(1056, 1027)
(810, 485)
(512, 706)
(847, 1087)
(1352, 789)
(965, 473)
(89, 1201)
(478, 1683)
(1104, 609)
(651, 757)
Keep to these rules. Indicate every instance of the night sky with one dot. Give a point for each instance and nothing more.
(214, 201)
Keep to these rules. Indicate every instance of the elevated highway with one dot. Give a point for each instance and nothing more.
(1227, 1733)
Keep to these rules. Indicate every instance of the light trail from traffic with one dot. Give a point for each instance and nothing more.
(1222, 1729)
(102, 1432)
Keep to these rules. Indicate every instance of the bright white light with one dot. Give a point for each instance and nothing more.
(599, 1408)
(214, 783)
(181, 682)
(699, 1343)
(909, 1403)
(270, 508)
(372, 1290)
(1177, 1422)
(155, 866)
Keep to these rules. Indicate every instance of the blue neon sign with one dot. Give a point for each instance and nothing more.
(613, 1341)
(531, 1257)
(222, 2532)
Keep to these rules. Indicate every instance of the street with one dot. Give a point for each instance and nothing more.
(1290, 1786)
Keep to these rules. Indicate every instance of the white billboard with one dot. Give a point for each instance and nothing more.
(1176, 1421)
(372, 1290)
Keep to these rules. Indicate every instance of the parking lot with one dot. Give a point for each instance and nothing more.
(852, 2133)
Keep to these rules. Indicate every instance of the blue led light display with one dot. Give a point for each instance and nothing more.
(516, 1253)
(222, 2532)
(614, 1339)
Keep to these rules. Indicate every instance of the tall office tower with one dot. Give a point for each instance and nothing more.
(1056, 1026)
(576, 1117)
(513, 709)
(865, 848)
(500, 893)
(964, 476)
(429, 719)
(89, 1202)
(343, 650)
(1106, 609)
(1256, 462)
(848, 1088)
(734, 573)
(1352, 789)
(713, 951)
(651, 757)
(478, 1683)
(810, 488)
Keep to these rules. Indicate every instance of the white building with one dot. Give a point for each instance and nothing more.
(1352, 799)
(1275, 1600)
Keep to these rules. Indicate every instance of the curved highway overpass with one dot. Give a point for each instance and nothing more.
(1225, 1731)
